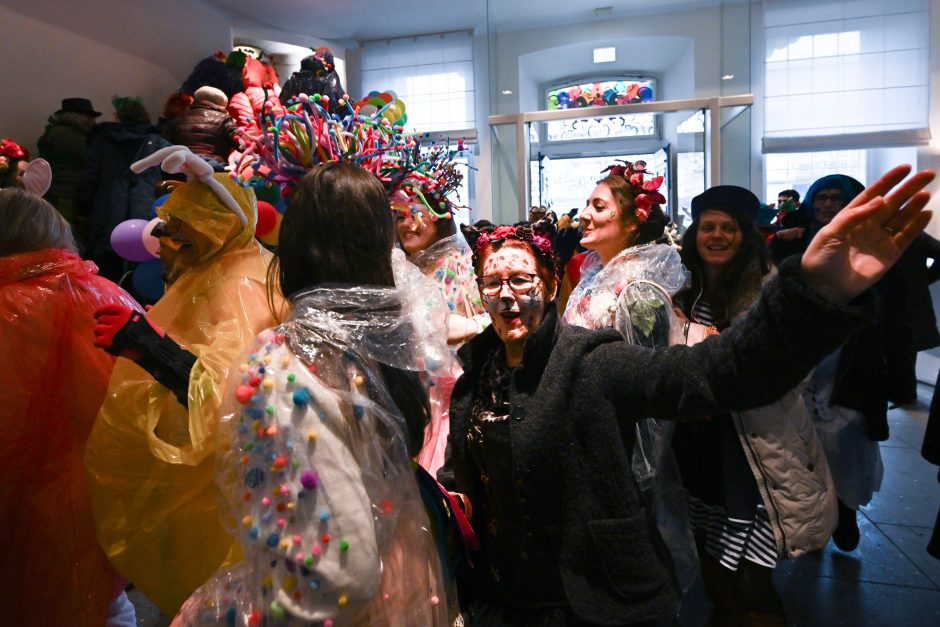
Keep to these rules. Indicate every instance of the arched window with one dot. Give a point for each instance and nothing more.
(595, 95)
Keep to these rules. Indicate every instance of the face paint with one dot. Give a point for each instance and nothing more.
(601, 225)
(514, 315)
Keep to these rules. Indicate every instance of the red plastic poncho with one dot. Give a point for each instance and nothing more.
(52, 382)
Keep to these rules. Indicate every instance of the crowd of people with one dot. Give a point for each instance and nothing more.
(383, 418)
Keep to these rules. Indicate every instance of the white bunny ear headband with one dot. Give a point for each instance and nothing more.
(179, 159)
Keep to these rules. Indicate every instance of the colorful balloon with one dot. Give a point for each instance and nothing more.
(127, 240)
(151, 243)
(267, 218)
(156, 203)
(148, 280)
(273, 236)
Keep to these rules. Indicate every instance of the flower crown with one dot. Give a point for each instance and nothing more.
(537, 235)
(645, 193)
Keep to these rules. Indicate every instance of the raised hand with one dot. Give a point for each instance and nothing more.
(868, 236)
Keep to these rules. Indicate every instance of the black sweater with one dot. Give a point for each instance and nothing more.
(575, 398)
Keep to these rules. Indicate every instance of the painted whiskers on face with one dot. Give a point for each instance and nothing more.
(502, 303)
(514, 315)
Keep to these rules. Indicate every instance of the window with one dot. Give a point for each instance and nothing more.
(431, 74)
(837, 68)
(598, 94)
(565, 184)
(798, 170)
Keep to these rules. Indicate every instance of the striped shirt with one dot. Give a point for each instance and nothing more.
(727, 539)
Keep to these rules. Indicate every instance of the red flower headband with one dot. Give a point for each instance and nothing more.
(644, 192)
(9, 148)
(534, 234)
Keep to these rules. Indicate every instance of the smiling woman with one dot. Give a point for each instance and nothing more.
(542, 419)
(730, 462)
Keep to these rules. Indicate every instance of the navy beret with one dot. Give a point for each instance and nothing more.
(726, 197)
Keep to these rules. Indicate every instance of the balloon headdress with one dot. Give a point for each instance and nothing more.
(307, 134)
(425, 180)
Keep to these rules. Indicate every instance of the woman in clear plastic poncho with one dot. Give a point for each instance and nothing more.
(52, 570)
(320, 430)
(431, 242)
(150, 457)
(627, 282)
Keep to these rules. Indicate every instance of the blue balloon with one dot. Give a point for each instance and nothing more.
(156, 203)
(645, 94)
(147, 279)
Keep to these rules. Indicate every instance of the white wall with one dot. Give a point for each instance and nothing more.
(99, 48)
(45, 63)
(639, 36)
(683, 48)
(929, 156)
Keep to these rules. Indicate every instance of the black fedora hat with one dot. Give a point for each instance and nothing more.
(726, 197)
(78, 105)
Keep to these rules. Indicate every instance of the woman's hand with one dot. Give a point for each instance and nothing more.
(865, 239)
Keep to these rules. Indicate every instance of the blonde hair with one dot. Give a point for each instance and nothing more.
(30, 223)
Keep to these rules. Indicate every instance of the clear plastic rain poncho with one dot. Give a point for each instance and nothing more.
(633, 294)
(150, 460)
(315, 468)
(52, 570)
(449, 263)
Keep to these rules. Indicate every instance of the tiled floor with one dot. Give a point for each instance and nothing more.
(890, 580)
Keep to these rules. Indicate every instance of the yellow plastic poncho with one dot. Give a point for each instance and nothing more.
(150, 460)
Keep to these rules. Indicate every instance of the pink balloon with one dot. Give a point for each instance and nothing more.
(151, 243)
(127, 240)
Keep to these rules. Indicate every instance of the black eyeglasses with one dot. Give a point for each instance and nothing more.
(833, 198)
(520, 283)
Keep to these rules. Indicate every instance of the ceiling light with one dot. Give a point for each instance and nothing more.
(605, 55)
(727, 77)
(507, 92)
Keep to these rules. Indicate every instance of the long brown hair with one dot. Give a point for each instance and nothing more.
(647, 231)
(338, 229)
(753, 252)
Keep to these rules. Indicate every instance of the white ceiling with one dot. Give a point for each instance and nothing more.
(363, 20)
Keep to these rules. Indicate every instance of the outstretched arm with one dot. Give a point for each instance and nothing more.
(800, 319)
(865, 239)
